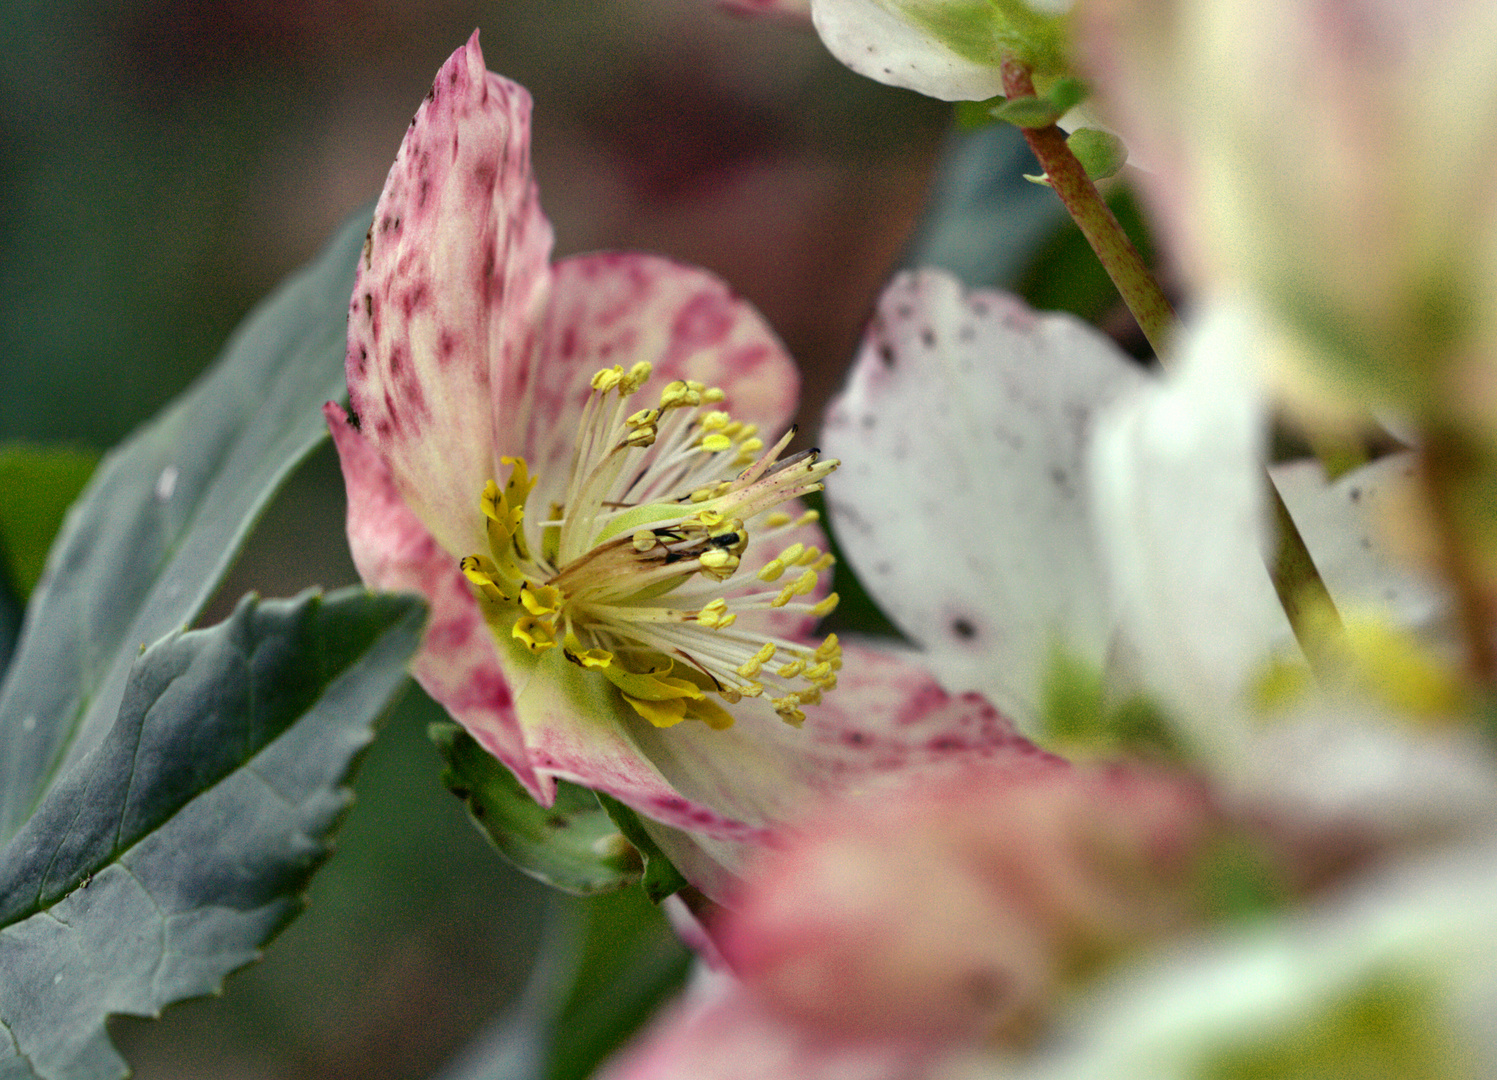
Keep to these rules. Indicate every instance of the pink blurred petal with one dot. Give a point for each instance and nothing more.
(719, 1031)
(797, 10)
(980, 890)
(457, 665)
(453, 278)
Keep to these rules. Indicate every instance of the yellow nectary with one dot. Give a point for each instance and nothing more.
(628, 574)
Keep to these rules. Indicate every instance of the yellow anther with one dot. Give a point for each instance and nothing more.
(679, 395)
(709, 517)
(777, 520)
(716, 421)
(809, 556)
(638, 375)
(753, 665)
(643, 417)
(712, 614)
(826, 562)
(811, 696)
(819, 672)
(644, 541)
(792, 669)
(718, 564)
(642, 436)
(810, 517)
(537, 634)
(750, 447)
(696, 387)
(791, 554)
(787, 709)
(716, 443)
(799, 587)
(712, 395)
(829, 648)
(825, 606)
(540, 599)
(608, 378)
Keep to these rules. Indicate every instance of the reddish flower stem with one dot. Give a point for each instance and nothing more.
(1119, 257)
(1302, 593)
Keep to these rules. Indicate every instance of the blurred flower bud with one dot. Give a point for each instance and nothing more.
(958, 910)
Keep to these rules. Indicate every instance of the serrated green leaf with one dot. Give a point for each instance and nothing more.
(183, 841)
(142, 550)
(37, 485)
(661, 878)
(572, 844)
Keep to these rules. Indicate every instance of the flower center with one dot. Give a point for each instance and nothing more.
(633, 574)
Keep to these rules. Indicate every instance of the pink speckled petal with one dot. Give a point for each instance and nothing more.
(453, 278)
(457, 664)
(578, 728)
(620, 308)
(886, 721)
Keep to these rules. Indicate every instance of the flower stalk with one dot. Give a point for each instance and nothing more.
(1306, 602)
(1448, 464)
(1122, 261)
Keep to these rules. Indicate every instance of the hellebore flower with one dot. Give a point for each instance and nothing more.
(620, 579)
(1083, 505)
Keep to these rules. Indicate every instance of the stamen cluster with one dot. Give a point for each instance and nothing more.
(628, 573)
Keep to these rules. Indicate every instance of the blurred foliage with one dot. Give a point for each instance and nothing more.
(628, 961)
(37, 485)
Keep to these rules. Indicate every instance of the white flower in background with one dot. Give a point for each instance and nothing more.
(1396, 976)
(1335, 159)
(1015, 484)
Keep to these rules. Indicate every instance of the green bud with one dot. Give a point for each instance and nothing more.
(1027, 112)
(1101, 153)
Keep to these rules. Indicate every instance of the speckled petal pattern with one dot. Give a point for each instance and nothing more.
(963, 504)
(457, 664)
(453, 278)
